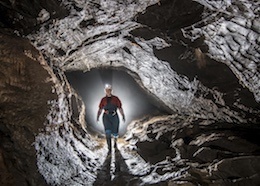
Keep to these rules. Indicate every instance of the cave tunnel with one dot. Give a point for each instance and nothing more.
(187, 73)
(136, 102)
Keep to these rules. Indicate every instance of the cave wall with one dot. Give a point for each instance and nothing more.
(25, 91)
(66, 152)
(231, 31)
(43, 129)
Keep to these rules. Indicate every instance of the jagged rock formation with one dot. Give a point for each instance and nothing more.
(105, 40)
(23, 17)
(25, 90)
(42, 122)
(22, 119)
(193, 151)
(231, 33)
(211, 132)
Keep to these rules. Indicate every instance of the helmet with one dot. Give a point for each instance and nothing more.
(108, 86)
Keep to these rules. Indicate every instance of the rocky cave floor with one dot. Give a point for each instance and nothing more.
(190, 152)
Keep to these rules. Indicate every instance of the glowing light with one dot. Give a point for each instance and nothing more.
(108, 86)
(91, 88)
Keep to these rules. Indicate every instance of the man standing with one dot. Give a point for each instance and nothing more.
(110, 104)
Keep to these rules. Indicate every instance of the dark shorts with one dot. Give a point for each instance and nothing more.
(111, 123)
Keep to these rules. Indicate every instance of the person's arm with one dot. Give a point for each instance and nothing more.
(122, 113)
(98, 113)
(100, 108)
(119, 106)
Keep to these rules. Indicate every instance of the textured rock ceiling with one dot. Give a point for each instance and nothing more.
(99, 34)
(198, 59)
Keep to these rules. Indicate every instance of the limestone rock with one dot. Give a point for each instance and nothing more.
(25, 92)
(240, 170)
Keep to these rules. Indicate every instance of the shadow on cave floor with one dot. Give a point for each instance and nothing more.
(115, 171)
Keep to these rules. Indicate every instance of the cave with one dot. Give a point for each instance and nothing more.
(191, 66)
(136, 102)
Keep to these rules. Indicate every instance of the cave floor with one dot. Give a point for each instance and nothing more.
(115, 171)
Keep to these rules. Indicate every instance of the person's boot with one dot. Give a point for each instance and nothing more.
(115, 142)
(109, 144)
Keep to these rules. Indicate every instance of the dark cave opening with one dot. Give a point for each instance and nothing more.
(135, 101)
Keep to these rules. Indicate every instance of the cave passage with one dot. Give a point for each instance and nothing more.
(90, 86)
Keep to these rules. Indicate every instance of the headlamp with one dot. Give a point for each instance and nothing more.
(108, 86)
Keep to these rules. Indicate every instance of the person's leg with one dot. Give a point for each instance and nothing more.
(115, 127)
(115, 141)
(108, 138)
(107, 126)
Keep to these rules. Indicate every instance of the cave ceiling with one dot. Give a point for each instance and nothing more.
(190, 56)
